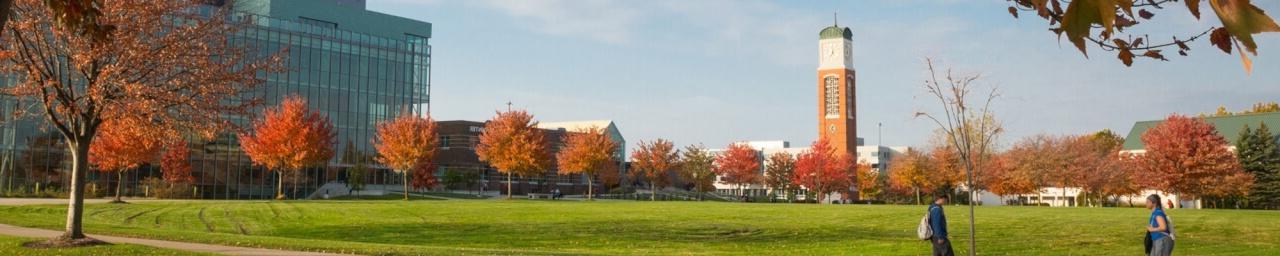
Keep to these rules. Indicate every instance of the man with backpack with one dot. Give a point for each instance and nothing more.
(934, 228)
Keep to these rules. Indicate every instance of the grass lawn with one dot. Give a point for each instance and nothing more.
(13, 246)
(452, 227)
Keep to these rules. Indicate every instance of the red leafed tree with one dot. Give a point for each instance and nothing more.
(288, 138)
(424, 176)
(176, 163)
(587, 151)
(1004, 180)
(406, 143)
(1186, 156)
(821, 170)
(512, 143)
(654, 160)
(739, 165)
(147, 65)
(125, 144)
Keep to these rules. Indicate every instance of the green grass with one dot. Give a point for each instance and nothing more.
(399, 196)
(532, 227)
(13, 246)
(455, 195)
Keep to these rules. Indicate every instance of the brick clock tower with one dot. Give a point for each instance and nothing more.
(836, 107)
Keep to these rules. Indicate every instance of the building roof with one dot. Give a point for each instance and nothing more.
(1228, 127)
(835, 31)
(576, 125)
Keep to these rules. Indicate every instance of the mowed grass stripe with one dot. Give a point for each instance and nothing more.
(661, 228)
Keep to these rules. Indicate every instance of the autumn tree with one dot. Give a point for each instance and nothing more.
(1259, 155)
(1186, 156)
(162, 61)
(424, 176)
(654, 160)
(697, 166)
(175, 164)
(512, 143)
(289, 138)
(967, 126)
(1240, 20)
(738, 165)
(777, 174)
(1005, 181)
(1035, 159)
(405, 144)
(587, 151)
(911, 172)
(868, 181)
(821, 170)
(125, 144)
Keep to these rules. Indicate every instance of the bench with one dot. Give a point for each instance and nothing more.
(539, 195)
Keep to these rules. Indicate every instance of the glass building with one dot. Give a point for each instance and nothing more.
(357, 67)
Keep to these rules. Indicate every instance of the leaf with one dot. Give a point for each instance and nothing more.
(1137, 42)
(1182, 45)
(1182, 52)
(1194, 6)
(1221, 39)
(1080, 17)
(1013, 11)
(1242, 19)
(1145, 14)
(1126, 56)
(1244, 59)
(1154, 54)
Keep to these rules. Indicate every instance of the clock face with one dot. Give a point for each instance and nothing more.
(831, 128)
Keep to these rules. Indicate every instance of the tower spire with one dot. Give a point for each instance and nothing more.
(835, 19)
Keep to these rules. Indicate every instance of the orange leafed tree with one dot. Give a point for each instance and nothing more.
(654, 160)
(911, 173)
(512, 143)
(176, 163)
(739, 165)
(125, 144)
(1186, 156)
(868, 180)
(406, 143)
(161, 61)
(587, 151)
(288, 138)
(821, 170)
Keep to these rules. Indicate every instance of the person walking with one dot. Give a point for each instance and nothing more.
(1159, 229)
(938, 223)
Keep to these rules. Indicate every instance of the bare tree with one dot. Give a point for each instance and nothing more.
(970, 129)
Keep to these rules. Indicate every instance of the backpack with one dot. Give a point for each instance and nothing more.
(924, 231)
(1168, 226)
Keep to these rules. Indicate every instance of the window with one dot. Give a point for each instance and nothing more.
(832, 96)
(849, 95)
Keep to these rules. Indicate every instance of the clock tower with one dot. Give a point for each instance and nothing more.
(836, 108)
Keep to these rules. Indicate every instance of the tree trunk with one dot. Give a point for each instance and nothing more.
(508, 186)
(404, 176)
(590, 189)
(917, 196)
(1064, 197)
(279, 185)
(119, 183)
(79, 165)
(653, 193)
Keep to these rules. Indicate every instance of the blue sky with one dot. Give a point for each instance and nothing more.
(719, 71)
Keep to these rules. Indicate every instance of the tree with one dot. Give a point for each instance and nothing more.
(739, 165)
(821, 170)
(1035, 160)
(512, 143)
(778, 173)
(176, 74)
(355, 177)
(1240, 20)
(970, 129)
(1259, 155)
(1186, 156)
(911, 172)
(424, 176)
(868, 180)
(1004, 181)
(405, 144)
(586, 152)
(125, 144)
(289, 138)
(1260, 107)
(697, 167)
(176, 163)
(654, 160)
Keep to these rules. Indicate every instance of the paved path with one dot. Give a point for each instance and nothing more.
(183, 246)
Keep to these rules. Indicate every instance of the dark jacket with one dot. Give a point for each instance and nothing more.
(937, 221)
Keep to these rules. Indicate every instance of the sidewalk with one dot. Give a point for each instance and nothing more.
(192, 247)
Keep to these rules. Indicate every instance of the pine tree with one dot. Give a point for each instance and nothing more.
(1259, 154)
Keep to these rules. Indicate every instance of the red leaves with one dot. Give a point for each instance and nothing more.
(512, 143)
(738, 165)
(586, 151)
(1221, 39)
(822, 170)
(126, 143)
(289, 137)
(406, 142)
(176, 163)
(1194, 7)
(1145, 14)
(1185, 155)
(655, 159)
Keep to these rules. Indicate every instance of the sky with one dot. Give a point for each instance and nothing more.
(720, 71)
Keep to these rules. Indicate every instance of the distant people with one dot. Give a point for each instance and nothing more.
(1159, 228)
(938, 223)
(1170, 202)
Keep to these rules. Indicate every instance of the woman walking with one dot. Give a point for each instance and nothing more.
(1159, 229)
